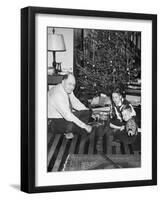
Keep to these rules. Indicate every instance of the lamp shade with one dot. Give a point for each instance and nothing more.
(56, 42)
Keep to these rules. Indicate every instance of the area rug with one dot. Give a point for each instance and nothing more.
(77, 162)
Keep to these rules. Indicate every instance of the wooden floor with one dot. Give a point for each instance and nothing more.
(59, 148)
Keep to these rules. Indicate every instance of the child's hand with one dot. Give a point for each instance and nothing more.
(131, 133)
(122, 128)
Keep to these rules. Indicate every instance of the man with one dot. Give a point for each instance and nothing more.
(67, 114)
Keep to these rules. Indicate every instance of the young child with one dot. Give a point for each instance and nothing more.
(130, 130)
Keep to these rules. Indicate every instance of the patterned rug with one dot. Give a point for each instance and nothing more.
(77, 162)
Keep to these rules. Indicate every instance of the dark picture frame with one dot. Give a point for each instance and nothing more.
(28, 99)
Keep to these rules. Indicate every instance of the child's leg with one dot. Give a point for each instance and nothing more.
(100, 132)
(125, 138)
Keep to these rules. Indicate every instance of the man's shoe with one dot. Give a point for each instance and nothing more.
(68, 135)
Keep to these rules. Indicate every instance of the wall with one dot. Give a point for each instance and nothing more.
(10, 100)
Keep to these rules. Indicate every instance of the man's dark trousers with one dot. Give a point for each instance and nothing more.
(62, 126)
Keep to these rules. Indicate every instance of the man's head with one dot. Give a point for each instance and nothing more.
(126, 112)
(68, 83)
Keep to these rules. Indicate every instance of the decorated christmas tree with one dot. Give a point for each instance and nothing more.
(104, 59)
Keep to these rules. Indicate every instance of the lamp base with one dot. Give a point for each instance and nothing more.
(57, 67)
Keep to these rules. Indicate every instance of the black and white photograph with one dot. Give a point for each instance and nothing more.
(94, 99)
(89, 86)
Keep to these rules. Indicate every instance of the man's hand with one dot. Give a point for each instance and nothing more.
(122, 128)
(88, 128)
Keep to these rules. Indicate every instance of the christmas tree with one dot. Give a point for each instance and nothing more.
(105, 58)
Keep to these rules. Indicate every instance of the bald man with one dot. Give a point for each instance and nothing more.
(67, 114)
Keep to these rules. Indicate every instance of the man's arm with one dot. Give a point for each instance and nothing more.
(65, 112)
(77, 105)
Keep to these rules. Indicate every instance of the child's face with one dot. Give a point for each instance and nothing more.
(116, 98)
(126, 114)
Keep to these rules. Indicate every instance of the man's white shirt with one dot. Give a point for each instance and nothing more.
(58, 105)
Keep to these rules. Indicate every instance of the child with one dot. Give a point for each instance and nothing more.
(116, 124)
(130, 130)
(118, 102)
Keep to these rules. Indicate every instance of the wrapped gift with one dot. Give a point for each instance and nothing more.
(101, 100)
(104, 100)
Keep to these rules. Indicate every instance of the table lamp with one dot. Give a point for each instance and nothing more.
(56, 44)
